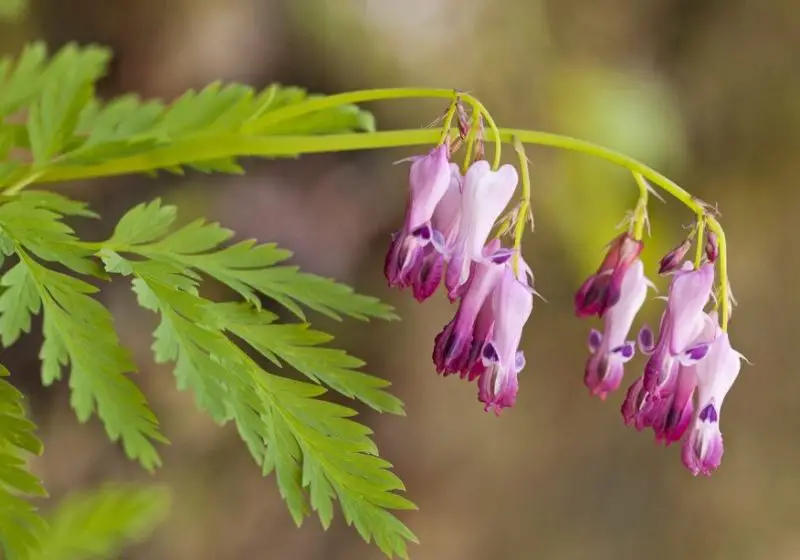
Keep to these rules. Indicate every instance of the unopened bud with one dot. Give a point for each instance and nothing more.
(673, 260)
(712, 247)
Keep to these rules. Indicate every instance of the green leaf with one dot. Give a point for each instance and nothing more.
(98, 525)
(34, 221)
(245, 267)
(317, 452)
(12, 10)
(298, 346)
(78, 331)
(128, 127)
(63, 89)
(21, 527)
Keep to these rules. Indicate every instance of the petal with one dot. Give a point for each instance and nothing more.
(688, 295)
(634, 401)
(428, 181)
(594, 340)
(519, 361)
(646, 340)
(625, 351)
(619, 318)
(428, 275)
(447, 215)
(603, 374)
(486, 193)
(694, 354)
(702, 451)
(498, 388)
(679, 413)
(453, 344)
(405, 254)
(512, 304)
(717, 373)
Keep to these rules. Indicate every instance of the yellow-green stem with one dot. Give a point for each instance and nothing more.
(640, 214)
(724, 285)
(472, 137)
(525, 202)
(701, 230)
(255, 140)
(448, 121)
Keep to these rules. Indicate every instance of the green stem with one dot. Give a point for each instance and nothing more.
(448, 121)
(362, 96)
(214, 147)
(701, 229)
(724, 290)
(640, 214)
(371, 95)
(525, 202)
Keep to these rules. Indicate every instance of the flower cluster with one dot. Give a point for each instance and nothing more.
(690, 359)
(445, 239)
(445, 236)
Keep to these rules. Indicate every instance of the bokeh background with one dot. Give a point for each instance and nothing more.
(706, 91)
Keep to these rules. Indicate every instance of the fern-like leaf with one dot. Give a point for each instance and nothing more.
(21, 527)
(79, 332)
(97, 525)
(318, 453)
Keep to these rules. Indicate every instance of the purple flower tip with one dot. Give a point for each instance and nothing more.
(708, 414)
(646, 340)
(698, 352)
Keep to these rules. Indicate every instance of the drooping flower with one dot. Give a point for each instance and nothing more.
(662, 397)
(602, 289)
(429, 179)
(458, 347)
(512, 304)
(681, 323)
(485, 195)
(610, 349)
(702, 450)
(427, 274)
(668, 408)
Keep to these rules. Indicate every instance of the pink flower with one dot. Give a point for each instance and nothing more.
(602, 290)
(610, 350)
(427, 274)
(429, 179)
(485, 195)
(702, 450)
(457, 349)
(681, 324)
(662, 397)
(512, 304)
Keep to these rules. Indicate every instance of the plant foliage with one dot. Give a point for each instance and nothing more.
(229, 354)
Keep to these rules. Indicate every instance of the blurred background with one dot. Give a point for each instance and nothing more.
(706, 91)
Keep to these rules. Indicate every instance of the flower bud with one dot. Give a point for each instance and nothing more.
(712, 247)
(673, 260)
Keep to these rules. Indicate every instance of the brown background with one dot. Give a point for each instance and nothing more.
(704, 90)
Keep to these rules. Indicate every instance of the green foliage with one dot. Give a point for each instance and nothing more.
(12, 10)
(310, 443)
(20, 524)
(69, 131)
(97, 525)
(52, 127)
